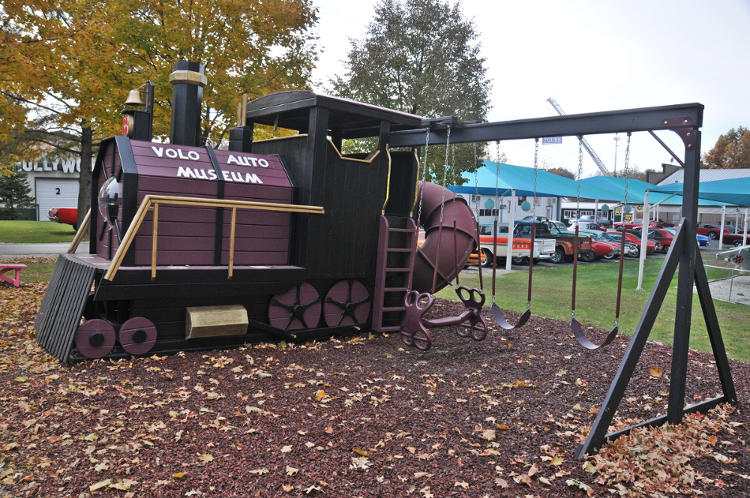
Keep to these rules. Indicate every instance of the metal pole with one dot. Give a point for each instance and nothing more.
(685, 280)
(644, 243)
(744, 232)
(721, 232)
(736, 219)
(596, 211)
(617, 139)
(511, 229)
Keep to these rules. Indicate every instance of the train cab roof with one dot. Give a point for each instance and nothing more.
(346, 118)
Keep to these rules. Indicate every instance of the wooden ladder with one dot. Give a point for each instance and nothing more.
(397, 247)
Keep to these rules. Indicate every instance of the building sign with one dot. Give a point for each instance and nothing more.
(66, 166)
(551, 140)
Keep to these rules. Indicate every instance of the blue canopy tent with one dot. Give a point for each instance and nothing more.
(521, 179)
(733, 191)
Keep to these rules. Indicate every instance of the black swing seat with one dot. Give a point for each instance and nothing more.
(499, 316)
(584, 341)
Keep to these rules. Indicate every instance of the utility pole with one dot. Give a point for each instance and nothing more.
(617, 139)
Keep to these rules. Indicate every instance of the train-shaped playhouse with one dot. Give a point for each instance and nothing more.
(196, 248)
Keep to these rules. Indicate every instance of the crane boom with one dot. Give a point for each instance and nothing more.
(585, 144)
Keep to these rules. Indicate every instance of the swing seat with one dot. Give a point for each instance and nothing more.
(584, 341)
(499, 316)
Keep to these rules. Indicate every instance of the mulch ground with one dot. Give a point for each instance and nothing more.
(357, 416)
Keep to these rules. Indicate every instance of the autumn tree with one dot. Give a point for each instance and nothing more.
(559, 170)
(421, 57)
(248, 47)
(67, 66)
(731, 151)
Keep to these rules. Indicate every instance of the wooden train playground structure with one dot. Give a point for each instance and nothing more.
(194, 248)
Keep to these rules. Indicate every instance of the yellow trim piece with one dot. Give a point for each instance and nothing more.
(187, 76)
(416, 185)
(80, 233)
(370, 157)
(388, 180)
(155, 200)
(280, 138)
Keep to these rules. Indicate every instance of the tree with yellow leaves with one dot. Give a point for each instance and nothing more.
(66, 67)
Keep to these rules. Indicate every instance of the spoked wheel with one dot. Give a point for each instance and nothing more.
(297, 308)
(95, 338)
(347, 303)
(559, 255)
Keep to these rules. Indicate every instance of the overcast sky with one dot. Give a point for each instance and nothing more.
(592, 55)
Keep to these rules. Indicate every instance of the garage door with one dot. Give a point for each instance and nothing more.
(55, 192)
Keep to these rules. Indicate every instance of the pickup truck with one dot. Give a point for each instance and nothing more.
(543, 248)
(549, 229)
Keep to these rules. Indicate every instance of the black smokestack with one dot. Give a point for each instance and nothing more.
(187, 81)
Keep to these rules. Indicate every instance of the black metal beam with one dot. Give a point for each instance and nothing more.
(714, 331)
(598, 434)
(666, 147)
(642, 119)
(683, 312)
(703, 406)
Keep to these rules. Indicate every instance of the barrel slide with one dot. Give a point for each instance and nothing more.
(455, 245)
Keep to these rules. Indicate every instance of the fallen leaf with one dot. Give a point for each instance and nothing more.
(258, 472)
(287, 488)
(206, 457)
(360, 452)
(286, 449)
(290, 471)
(178, 475)
(558, 460)
(99, 485)
(656, 372)
(461, 484)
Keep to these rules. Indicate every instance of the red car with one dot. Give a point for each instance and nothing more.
(630, 237)
(661, 236)
(711, 231)
(64, 215)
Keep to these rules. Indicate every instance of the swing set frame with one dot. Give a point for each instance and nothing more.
(685, 120)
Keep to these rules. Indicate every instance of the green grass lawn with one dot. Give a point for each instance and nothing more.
(35, 231)
(595, 301)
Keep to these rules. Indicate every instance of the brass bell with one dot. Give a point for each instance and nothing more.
(134, 97)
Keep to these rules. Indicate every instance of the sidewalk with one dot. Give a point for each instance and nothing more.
(51, 249)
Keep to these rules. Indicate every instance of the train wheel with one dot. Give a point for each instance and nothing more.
(346, 303)
(95, 338)
(137, 335)
(298, 308)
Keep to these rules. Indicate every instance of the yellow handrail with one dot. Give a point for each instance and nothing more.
(80, 233)
(154, 200)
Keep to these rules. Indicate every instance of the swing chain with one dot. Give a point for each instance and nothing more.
(578, 178)
(424, 176)
(536, 168)
(445, 174)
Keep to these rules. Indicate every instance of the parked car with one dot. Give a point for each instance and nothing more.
(550, 229)
(589, 218)
(586, 225)
(601, 245)
(702, 239)
(711, 231)
(735, 239)
(632, 249)
(651, 244)
(663, 236)
(64, 215)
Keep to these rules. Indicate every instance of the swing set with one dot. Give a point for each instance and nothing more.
(685, 120)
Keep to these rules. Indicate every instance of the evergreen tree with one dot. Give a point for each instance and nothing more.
(14, 190)
(421, 57)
